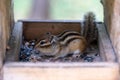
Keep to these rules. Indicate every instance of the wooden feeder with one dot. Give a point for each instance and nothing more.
(12, 69)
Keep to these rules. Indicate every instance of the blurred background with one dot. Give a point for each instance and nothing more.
(57, 9)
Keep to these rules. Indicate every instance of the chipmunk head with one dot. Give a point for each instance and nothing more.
(46, 48)
(48, 41)
(43, 47)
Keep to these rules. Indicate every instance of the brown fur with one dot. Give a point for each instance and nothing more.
(63, 48)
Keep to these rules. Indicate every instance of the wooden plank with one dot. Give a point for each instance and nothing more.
(2, 50)
(2, 33)
(60, 21)
(39, 29)
(112, 22)
(6, 23)
(15, 42)
(105, 44)
(1, 39)
(61, 71)
(101, 50)
(6, 8)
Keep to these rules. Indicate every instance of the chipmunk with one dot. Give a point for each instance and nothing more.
(69, 41)
(61, 45)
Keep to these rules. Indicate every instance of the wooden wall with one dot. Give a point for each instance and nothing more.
(112, 22)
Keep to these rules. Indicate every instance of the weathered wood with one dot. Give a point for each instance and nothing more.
(112, 22)
(6, 9)
(61, 71)
(1, 49)
(39, 29)
(2, 34)
(105, 46)
(7, 21)
(15, 43)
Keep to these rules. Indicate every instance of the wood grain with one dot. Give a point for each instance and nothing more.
(105, 46)
(7, 22)
(15, 43)
(2, 50)
(61, 71)
(112, 22)
(36, 30)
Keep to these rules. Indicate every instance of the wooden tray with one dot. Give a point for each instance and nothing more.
(107, 69)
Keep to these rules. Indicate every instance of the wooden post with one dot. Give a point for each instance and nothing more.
(6, 23)
(112, 21)
(1, 47)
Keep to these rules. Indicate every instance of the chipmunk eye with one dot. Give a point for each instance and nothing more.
(41, 43)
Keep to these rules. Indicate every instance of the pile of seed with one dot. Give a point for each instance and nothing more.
(27, 49)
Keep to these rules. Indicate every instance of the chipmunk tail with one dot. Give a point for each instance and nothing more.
(89, 27)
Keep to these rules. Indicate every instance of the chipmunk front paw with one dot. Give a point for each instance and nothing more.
(76, 54)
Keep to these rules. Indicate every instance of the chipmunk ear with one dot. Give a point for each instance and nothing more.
(48, 36)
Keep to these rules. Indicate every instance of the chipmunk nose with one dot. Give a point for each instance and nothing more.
(36, 48)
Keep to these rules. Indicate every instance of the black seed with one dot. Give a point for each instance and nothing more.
(89, 59)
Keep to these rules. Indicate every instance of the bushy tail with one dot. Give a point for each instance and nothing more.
(89, 27)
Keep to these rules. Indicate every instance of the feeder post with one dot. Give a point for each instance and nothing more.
(6, 26)
(112, 22)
